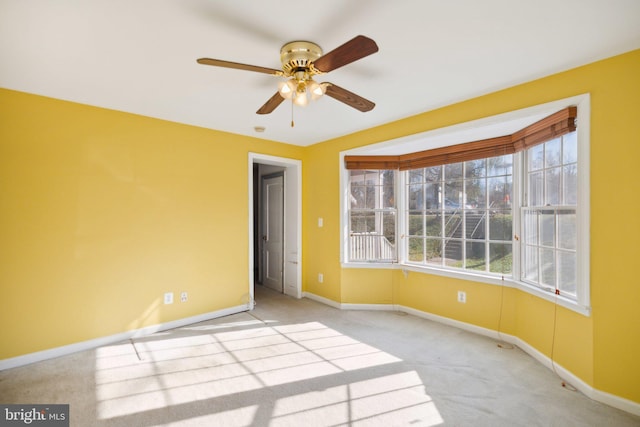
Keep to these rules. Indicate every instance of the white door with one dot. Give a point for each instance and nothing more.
(273, 231)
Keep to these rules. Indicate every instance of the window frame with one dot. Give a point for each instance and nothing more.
(377, 210)
(487, 128)
(541, 207)
(466, 212)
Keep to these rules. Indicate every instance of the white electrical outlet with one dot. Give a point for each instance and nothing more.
(462, 296)
(320, 222)
(168, 298)
(183, 297)
(320, 277)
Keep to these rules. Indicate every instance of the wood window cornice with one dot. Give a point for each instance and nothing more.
(553, 126)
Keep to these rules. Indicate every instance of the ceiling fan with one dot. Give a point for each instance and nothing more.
(301, 61)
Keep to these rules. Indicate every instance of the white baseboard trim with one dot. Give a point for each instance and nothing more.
(563, 373)
(323, 300)
(568, 377)
(616, 401)
(39, 356)
(348, 306)
(451, 322)
(370, 307)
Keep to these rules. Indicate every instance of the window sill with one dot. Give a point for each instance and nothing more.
(463, 275)
(372, 264)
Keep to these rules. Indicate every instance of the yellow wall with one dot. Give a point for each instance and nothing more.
(378, 284)
(102, 212)
(439, 295)
(320, 183)
(603, 349)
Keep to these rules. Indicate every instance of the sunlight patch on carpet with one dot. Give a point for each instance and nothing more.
(238, 361)
(398, 399)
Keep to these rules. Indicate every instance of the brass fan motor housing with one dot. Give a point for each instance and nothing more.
(298, 56)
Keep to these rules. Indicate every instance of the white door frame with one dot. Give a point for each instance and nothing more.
(292, 280)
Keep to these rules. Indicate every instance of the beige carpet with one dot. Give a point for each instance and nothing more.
(300, 363)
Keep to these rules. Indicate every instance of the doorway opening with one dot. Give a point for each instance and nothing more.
(275, 224)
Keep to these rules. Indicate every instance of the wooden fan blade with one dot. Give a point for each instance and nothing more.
(349, 98)
(354, 49)
(238, 66)
(271, 104)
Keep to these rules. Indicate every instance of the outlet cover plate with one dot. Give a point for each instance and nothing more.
(168, 298)
(462, 296)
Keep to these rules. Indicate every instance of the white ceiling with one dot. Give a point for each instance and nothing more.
(139, 56)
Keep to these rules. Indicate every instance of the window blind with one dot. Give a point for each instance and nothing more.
(553, 126)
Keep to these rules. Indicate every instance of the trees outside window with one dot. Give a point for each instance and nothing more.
(459, 215)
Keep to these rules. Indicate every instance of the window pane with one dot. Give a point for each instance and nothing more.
(570, 148)
(530, 267)
(452, 195)
(453, 253)
(416, 175)
(475, 168)
(552, 152)
(499, 192)
(357, 196)
(547, 228)
(500, 258)
(389, 233)
(475, 224)
(370, 196)
(547, 267)
(388, 196)
(476, 192)
(434, 251)
(433, 174)
(416, 223)
(453, 171)
(535, 156)
(552, 186)
(570, 184)
(388, 177)
(432, 196)
(371, 247)
(362, 222)
(415, 196)
(536, 187)
(416, 249)
(500, 225)
(567, 237)
(475, 256)
(567, 273)
(453, 225)
(530, 227)
(371, 177)
(434, 224)
(501, 165)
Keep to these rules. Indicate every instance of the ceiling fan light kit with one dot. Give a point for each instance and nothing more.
(297, 63)
(301, 61)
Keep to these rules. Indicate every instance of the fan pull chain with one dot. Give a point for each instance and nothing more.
(292, 124)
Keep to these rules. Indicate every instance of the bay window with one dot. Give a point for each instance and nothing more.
(505, 208)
